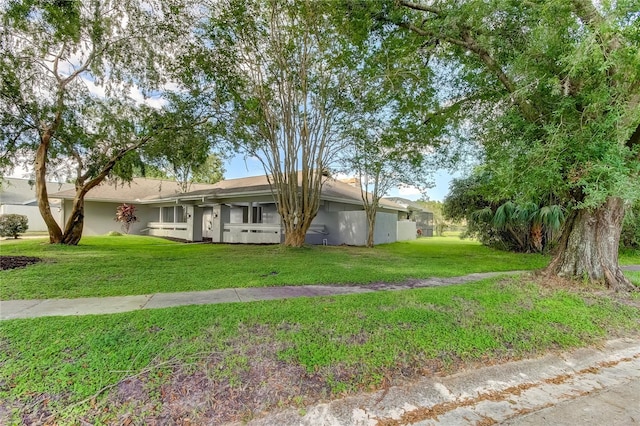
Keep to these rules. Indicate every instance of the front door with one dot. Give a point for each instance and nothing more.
(207, 223)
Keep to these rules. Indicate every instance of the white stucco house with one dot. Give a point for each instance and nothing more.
(18, 196)
(236, 211)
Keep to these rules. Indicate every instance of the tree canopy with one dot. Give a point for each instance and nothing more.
(81, 87)
(551, 91)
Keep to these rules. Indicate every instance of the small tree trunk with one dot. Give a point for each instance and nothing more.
(589, 246)
(371, 222)
(75, 223)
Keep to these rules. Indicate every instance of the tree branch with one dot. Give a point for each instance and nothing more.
(420, 7)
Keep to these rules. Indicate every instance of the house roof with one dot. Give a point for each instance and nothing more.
(23, 191)
(148, 191)
(136, 191)
(408, 204)
(332, 190)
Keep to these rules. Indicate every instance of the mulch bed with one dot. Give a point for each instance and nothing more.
(12, 262)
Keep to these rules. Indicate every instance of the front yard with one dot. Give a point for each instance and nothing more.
(127, 265)
(220, 363)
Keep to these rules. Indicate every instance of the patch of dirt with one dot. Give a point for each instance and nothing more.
(13, 262)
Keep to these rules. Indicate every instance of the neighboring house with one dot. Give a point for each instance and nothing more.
(416, 213)
(236, 211)
(18, 196)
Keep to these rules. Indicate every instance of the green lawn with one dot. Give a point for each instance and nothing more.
(127, 265)
(252, 357)
(257, 356)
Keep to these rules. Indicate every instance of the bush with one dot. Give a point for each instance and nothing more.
(11, 225)
(126, 213)
(630, 236)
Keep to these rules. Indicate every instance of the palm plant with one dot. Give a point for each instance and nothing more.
(522, 227)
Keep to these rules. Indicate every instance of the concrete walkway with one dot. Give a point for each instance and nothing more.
(13, 309)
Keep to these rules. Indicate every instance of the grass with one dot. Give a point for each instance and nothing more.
(341, 344)
(248, 358)
(128, 265)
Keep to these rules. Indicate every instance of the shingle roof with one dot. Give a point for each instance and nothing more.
(408, 204)
(139, 189)
(23, 191)
(331, 188)
(150, 190)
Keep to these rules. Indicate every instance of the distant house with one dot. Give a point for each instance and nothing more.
(236, 211)
(416, 213)
(18, 196)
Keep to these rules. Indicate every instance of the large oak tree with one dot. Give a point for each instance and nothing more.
(552, 91)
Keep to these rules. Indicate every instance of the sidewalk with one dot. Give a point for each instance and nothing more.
(14, 309)
(583, 387)
(33, 308)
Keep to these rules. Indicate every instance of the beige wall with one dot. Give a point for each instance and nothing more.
(35, 220)
(99, 217)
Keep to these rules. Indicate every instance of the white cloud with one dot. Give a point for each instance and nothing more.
(409, 190)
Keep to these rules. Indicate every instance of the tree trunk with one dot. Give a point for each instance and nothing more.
(295, 229)
(294, 236)
(589, 246)
(371, 222)
(75, 223)
(40, 168)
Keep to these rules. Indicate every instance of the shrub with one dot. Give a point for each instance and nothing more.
(11, 225)
(126, 213)
(630, 236)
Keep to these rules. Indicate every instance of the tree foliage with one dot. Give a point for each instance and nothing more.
(184, 153)
(285, 106)
(550, 89)
(503, 224)
(630, 237)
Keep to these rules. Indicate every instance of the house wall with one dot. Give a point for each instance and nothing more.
(329, 216)
(386, 228)
(270, 213)
(347, 224)
(353, 227)
(35, 221)
(406, 230)
(99, 217)
(236, 215)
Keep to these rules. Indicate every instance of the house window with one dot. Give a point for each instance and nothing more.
(168, 214)
(173, 214)
(181, 216)
(257, 214)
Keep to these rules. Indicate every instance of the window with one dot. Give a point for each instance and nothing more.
(168, 214)
(257, 214)
(181, 214)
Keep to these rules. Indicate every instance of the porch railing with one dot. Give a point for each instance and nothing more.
(168, 229)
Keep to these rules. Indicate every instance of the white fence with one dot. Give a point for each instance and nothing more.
(406, 230)
(252, 233)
